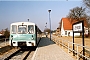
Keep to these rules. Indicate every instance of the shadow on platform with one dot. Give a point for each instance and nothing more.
(45, 42)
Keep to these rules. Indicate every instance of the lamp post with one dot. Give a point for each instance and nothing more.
(46, 24)
(46, 29)
(50, 23)
(28, 20)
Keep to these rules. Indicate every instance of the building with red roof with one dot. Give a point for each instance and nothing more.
(2, 32)
(66, 27)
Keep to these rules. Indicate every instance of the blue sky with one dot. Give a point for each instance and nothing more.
(36, 11)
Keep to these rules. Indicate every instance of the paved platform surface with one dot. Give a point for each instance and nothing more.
(48, 50)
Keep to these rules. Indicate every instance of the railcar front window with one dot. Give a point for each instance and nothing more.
(30, 29)
(14, 29)
(22, 29)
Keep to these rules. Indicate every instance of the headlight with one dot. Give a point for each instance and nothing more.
(32, 38)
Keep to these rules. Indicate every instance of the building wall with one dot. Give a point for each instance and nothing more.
(62, 29)
(67, 32)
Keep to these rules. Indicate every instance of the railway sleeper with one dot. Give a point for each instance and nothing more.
(10, 56)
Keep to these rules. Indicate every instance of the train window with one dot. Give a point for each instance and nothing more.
(14, 29)
(30, 29)
(22, 29)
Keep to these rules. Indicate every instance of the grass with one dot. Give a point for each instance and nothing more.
(77, 40)
(80, 37)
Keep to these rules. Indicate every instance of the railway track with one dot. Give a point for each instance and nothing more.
(5, 49)
(17, 53)
(20, 54)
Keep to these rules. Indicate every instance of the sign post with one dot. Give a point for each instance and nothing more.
(79, 28)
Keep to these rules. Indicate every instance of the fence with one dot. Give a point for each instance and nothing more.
(4, 42)
(78, 48)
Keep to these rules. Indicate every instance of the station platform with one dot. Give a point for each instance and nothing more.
(48, 50)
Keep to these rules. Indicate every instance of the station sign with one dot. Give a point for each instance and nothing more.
(77, 27)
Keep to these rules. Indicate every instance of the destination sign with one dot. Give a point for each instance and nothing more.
(77, 27)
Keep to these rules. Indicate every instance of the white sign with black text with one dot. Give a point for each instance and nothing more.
(77, 27)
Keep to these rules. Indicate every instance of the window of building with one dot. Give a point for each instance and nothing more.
(65, 32)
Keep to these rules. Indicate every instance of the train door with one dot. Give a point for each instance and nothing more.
(36, 34)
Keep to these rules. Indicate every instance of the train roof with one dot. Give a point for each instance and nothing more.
(24, 23)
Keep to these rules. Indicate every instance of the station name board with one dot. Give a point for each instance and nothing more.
(77, 27)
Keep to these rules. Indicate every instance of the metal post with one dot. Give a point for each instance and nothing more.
(73, 45)
(83, 39)
(50, 23)
(46, 24)
(46, 28)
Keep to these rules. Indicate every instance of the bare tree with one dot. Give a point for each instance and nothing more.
(47, 30)
(7, 33)
(87, 3)
(77, 13)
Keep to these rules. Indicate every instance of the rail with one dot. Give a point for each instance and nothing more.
(78, 48)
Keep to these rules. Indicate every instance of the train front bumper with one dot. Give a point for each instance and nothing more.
(24, 43)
